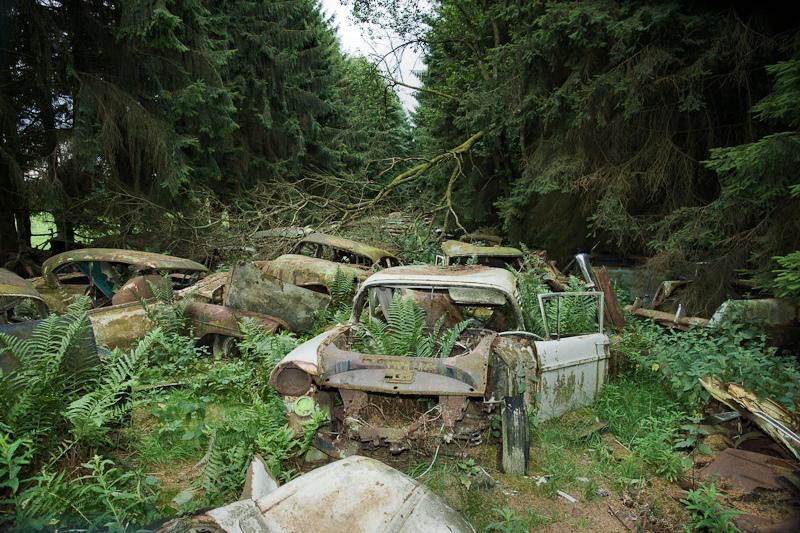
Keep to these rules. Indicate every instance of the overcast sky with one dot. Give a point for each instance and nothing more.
(357, 41)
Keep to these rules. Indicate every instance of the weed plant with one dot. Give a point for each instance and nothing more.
(707, 513)
(730, 351)
(76, 433)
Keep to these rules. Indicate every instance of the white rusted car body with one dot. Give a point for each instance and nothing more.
(353, 495)
(553, 374)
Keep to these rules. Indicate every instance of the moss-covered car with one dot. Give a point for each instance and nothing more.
(109, 276)
(492, 363)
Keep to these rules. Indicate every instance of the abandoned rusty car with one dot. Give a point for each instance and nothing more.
(467, 351)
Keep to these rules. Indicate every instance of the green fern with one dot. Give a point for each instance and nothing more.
(91, 414)
(575, 314)
(55, 365)
(164, 311)
(405, 332)
(342, 290)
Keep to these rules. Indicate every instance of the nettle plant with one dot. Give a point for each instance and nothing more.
(728, 352)
(706, 513)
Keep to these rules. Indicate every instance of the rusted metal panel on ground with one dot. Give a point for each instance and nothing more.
(749, 471)
(352, 495)
(771, 417)
(572, 371)
(254, 290)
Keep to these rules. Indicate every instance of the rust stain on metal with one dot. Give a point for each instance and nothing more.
(12, 285)
(112, 255)
(210, 289)
(463, 375)
(749, 471)
(773, 419)
(120, 326)
(135, 289)
(462, 249)
(217, 319)
(307, 271)
(373, 253)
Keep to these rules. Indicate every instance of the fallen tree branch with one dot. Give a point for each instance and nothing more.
(420, 169)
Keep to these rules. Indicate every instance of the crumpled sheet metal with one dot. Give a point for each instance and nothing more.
(254, 290)
(772, 418)
(353, 495)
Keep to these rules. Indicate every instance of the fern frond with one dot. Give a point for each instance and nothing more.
(405, 332)
(450, 338)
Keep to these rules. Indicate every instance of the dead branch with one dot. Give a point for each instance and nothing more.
(420, 169)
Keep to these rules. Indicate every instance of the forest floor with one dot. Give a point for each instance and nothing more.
(616, 485)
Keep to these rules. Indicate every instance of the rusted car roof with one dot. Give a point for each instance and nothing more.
(13, 286)
(465, 249)
(372, 252)
(302, 270)
(113, 255)
(431, 276)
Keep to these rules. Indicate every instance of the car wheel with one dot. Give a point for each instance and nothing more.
(514, 428)
(224, 346)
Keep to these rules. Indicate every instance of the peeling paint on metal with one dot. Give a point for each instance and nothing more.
(465, 249)
(305, 271)
(112, 255)
(372, 252)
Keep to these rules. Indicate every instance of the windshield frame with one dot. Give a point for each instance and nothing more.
(363, 291)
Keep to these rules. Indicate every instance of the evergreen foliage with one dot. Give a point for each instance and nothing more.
(164, 103)
(624, 124)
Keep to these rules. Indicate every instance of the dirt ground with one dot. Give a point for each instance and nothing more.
(469, 479)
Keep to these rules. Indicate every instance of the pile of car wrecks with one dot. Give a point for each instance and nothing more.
(497, 366)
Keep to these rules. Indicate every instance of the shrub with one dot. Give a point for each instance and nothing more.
(706, 513)
(728, 352)
(405, 332)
